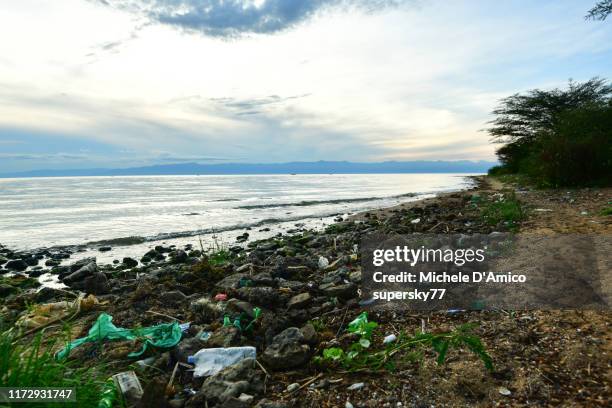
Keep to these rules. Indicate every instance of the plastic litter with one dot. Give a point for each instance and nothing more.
(205, 335)
(415, 221)
(211, 361)
(46, 313)
(165, 335)
(220, 297)
(128, 385)
(356, 386)
(144, 363)
(323, 262)
(389, 339)
(109, 394)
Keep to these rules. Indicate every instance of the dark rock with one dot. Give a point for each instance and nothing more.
(6, 289)
(31, 261)
(130, 262)
(179, 256)
(242, 377)
(52, 262)
(259, 295)
(105, 248)
(343, 291)
(3, 260)
(46, 294)
(154, 394)
(310, 334)
(187, 347)
(232, 281)
(235, 306)
(226, 336)
(173, 298)
(266, 403)
(16, 265)
(81, 263)
(299, 301)
(287, 350)
(36, 272)
(96, 284)
(85, 271)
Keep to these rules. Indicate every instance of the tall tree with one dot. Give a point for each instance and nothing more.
(600, 10)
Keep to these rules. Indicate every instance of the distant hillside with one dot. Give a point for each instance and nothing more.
(320, 167)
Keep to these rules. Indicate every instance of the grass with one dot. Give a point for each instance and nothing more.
(507, 209)
(606, 211)
(34, 365)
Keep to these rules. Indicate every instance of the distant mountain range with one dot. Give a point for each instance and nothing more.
(319, 167)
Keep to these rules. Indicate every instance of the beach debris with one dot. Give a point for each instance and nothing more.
(108, 395)
(293, 387)
(504, 391)
(389, 339)
(323, 262)
(415, 221)
(356, 386)
(220, 297)
(45, 314)
(348, 405)
(210, 361)
(164, 336)
(129, 387)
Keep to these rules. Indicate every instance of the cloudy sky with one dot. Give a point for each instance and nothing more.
(121, 83)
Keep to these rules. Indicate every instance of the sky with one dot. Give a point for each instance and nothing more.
(125, 83)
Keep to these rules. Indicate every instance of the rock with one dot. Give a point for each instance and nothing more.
(323, 262)
(236, 306)
(52, 262)
(6, 289)
(504, 391)
(36, 272)
(31, 261)
(310, 334)
(242, 377)
(344, 291)
(187, 347)
(96, 284)
(16, 265)
(247, 267)
(105, 248)
(153, 395)
(226, 336)
(242, 238)
(299, 301)
(178, 256)
(173, 298)
(232, 281)
(130, 262)
(260, 296)
(266, 403)
(87, 270)
(293, 387)
(3, 260)
(356, 386)
(287, 350)
(81, 263)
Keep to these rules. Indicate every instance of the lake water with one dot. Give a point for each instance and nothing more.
(46, 212)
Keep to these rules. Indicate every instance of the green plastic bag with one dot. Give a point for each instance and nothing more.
(165, 335)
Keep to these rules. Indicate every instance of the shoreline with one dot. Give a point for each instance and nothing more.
(295, 290)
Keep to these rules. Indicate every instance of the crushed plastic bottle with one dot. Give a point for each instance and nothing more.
(211, 361)
(109, 394)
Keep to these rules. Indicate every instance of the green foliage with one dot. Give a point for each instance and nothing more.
(220, 257)
(505, 209)
(34, 365)
(606, 211)
(561, 137)
(362, 327)
(600, 11)
(359, 356)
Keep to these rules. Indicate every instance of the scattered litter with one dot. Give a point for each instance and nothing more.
(109, 394)
(144, 363)
(129, 387)
(504, 391)
(220, 297)
(542, 210)
(584, 213)
(293, 387)
(185, 326)
(348, 405)
(356, 386)
(205, 335)
(455, 311)
(323, 262)
(389, 339)
(415, 221)
(165, 335)
(211, 361)
(45, 314)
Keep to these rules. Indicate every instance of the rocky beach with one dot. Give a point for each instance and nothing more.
(292, 296)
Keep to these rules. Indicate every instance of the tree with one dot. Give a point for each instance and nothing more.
(561, 137)
(521, 118)
(600, 10)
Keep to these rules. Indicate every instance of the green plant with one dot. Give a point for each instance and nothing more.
(34, 365)
(359, 357)
(606, 211)
(505, 209)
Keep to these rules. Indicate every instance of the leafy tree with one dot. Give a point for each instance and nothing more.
(557, 137)
(600, 10)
